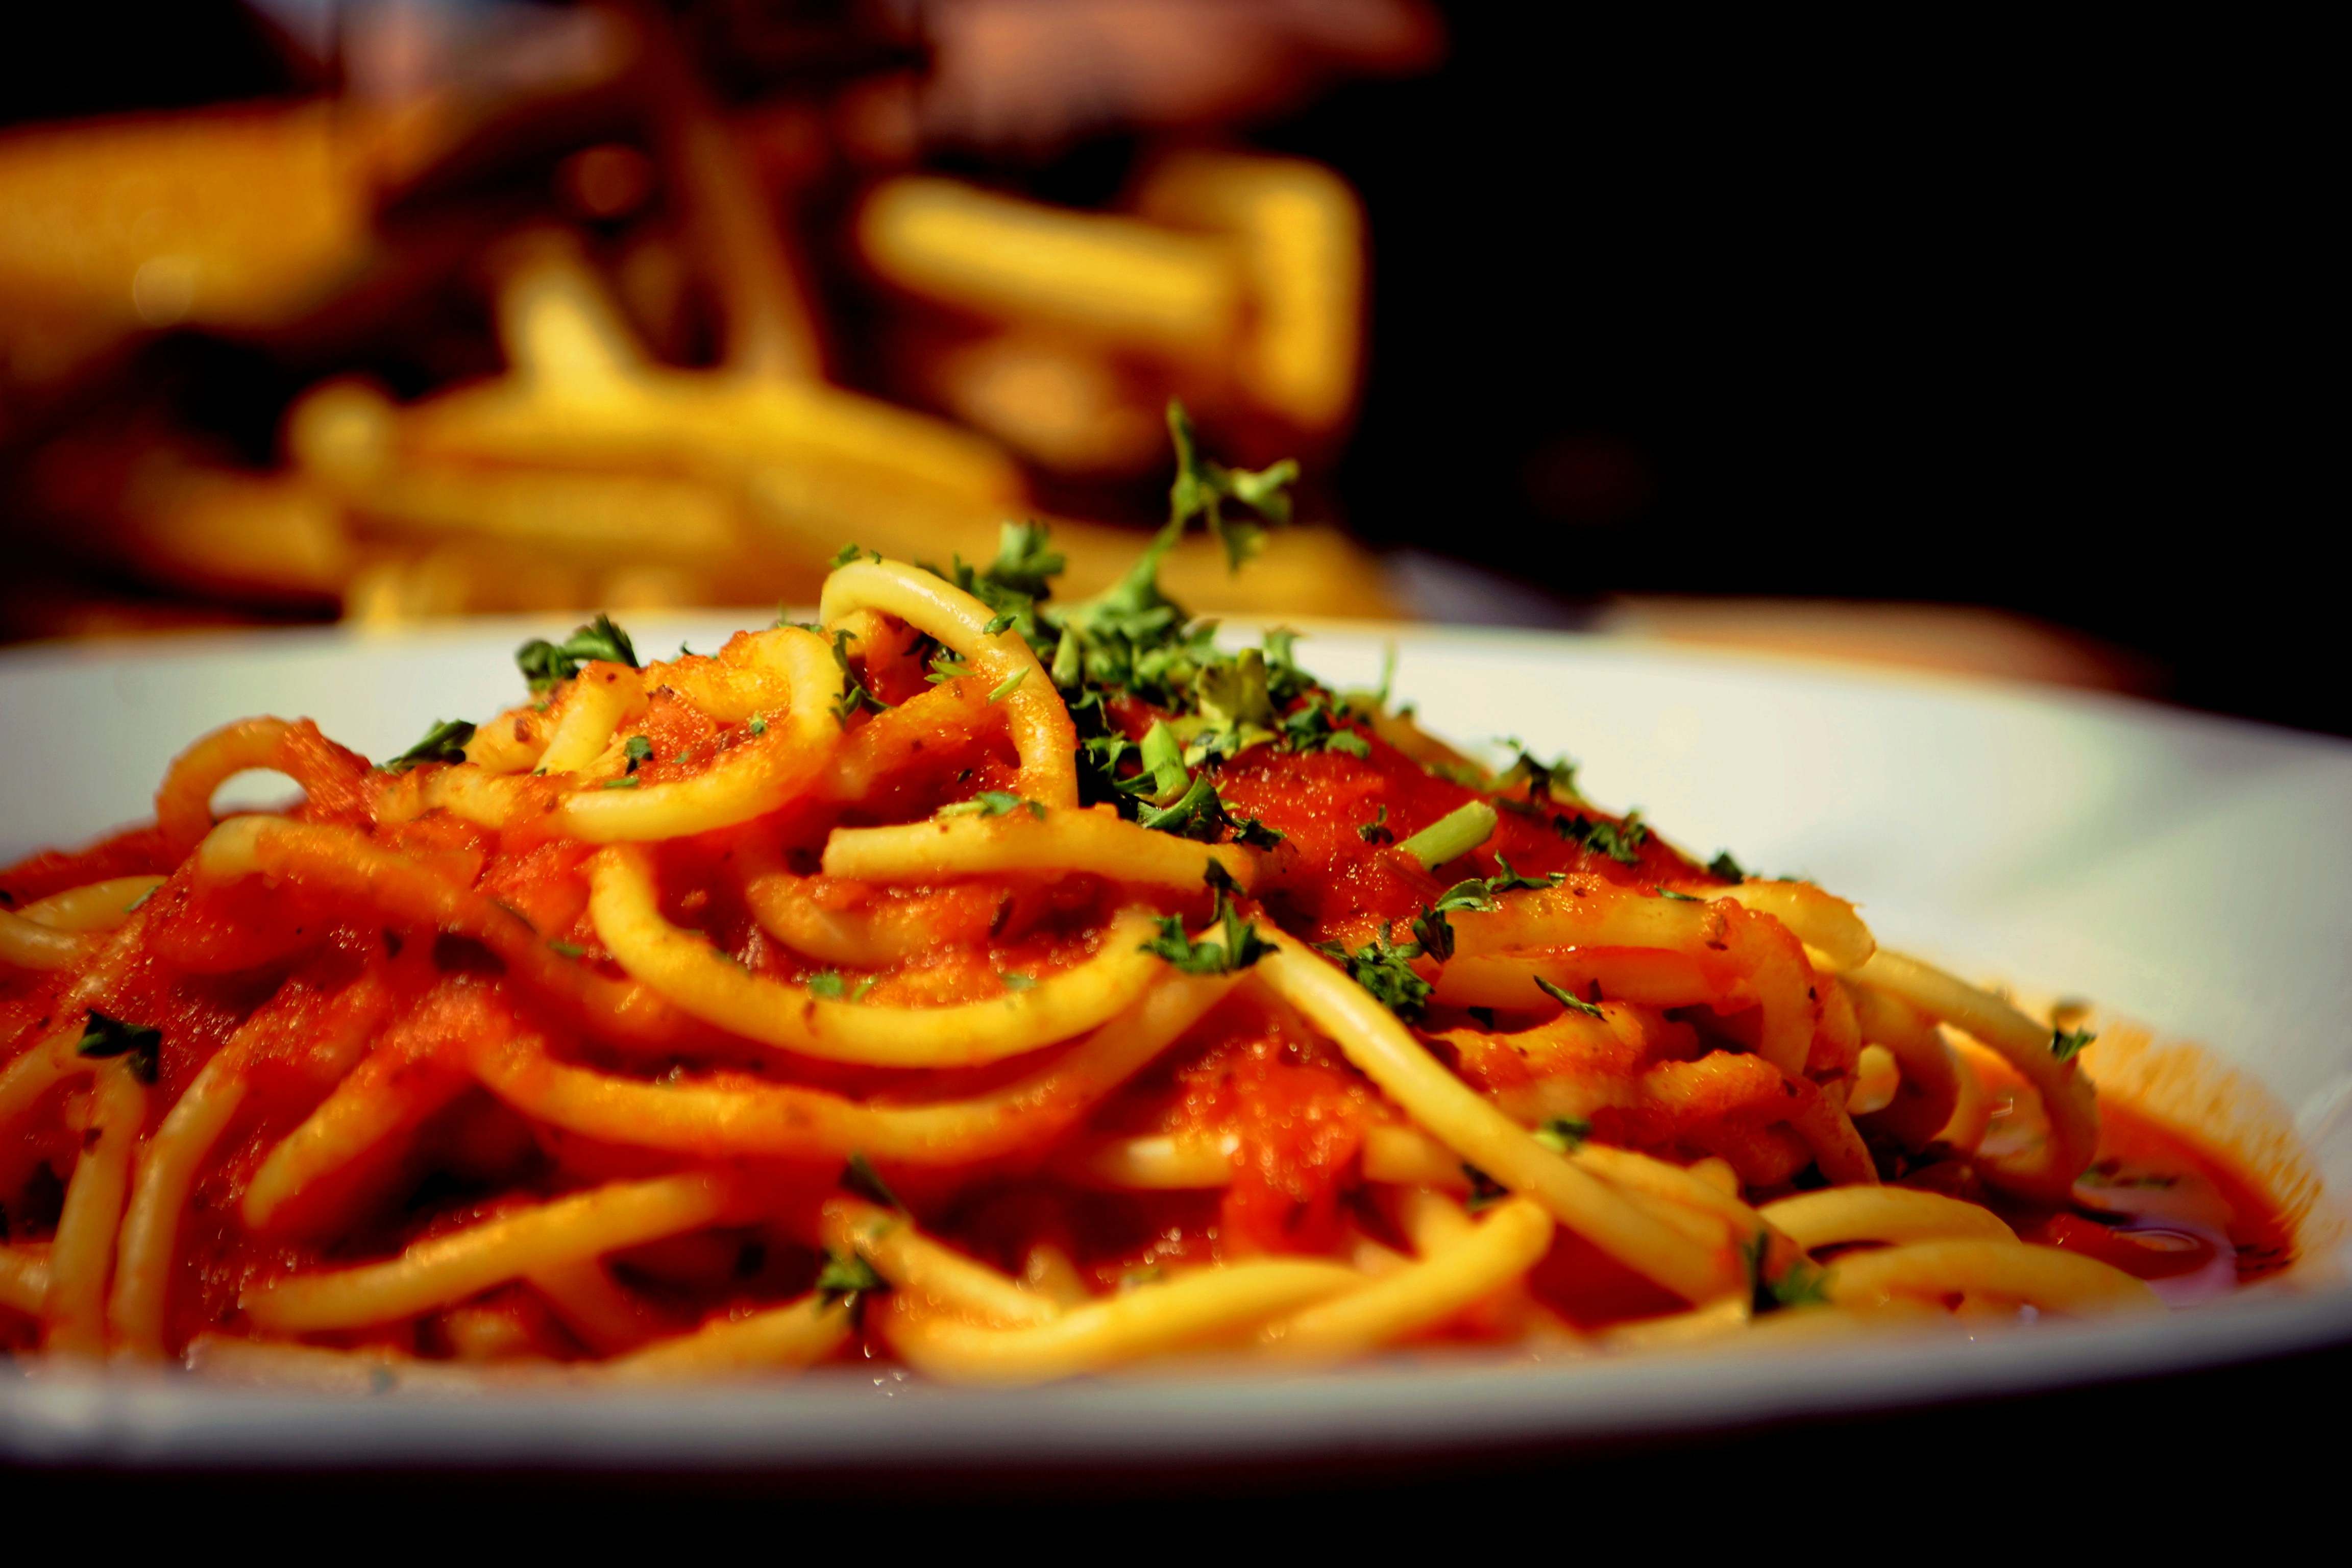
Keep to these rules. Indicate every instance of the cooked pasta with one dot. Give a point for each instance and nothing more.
(1014, 990)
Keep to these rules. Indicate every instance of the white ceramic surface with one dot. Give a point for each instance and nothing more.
(2189, 872)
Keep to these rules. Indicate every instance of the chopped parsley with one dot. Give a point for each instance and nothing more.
(1019, 982)
(847, 1277)
(1285, 681)
(1484, 1191)
(1803, 1283)
(1203, 487)
(760, 725)
(1724, 867)
(2065, 1044)
(1545, 781)
(1376, 831)
(568, 950)
(858, 1176)
(638, 750)
(1385, 969)
(1009, 685)
(545, 664)
(832, 987)
(1508, 880)
(1569, 999)
(1564, 1134)
(854, 695)
(991, 803)
(445, 742)
(1621, 841)
(1249, 830)
(141, 1044)
(1434, 931)
(852, 552)
(1313, 729)
(627, 780)
(1242, 945)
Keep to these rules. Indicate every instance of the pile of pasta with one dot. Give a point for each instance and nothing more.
(918, 985)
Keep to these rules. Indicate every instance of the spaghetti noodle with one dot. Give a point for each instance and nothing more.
(1016, 990)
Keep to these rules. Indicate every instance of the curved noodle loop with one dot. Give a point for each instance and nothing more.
(699, 980)
(1042, 731)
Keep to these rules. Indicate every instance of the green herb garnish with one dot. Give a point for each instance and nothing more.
(1203, 487)
(445, 742)
(1569, 999)
(1564, 1134)
(858, 1176)
(847, 1277)
(1621, 841)
(1455, 835)
(1242, 945)
(141, 1044)
(2064, 1044)
(545, 664)
(854, 695)
(991, 803)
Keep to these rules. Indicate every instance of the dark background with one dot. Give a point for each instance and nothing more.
(1972, 311)
(1960, 310)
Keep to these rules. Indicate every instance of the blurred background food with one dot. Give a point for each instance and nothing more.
(386, 311)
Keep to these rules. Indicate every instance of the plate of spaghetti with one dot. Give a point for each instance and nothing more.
(955, 988)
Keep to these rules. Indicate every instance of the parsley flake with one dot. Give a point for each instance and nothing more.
(1621, 841)
(1802, 1284)
(991, 803)
(854, 695)
(545, 664)
(1569, 999)
(1242, 945)
(2065, 1044)
(1564, 1134)
(1484, 1191)
(1203, 487)
(1545, 781)
(858, 1176)
(1385, 969)
(141, 1044)
(847, 1277)
(638, 750)
(1724, 867)
(1508, 880)
(445, 742)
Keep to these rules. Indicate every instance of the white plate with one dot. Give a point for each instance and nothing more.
(2191, 872)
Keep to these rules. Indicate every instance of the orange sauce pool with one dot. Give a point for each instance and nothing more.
(2157, 1202)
